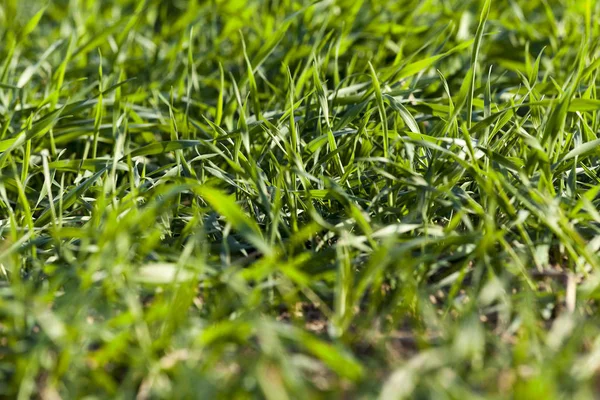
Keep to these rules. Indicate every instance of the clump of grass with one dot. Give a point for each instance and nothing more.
(284, 199)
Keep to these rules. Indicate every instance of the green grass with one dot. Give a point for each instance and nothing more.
(283, 199)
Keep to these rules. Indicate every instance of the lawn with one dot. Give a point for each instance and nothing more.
(286, 199)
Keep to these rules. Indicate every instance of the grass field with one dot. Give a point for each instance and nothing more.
(280, 199)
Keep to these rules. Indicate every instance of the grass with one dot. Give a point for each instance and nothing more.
(283, 199)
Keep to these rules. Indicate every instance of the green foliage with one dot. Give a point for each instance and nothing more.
(294, 199)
